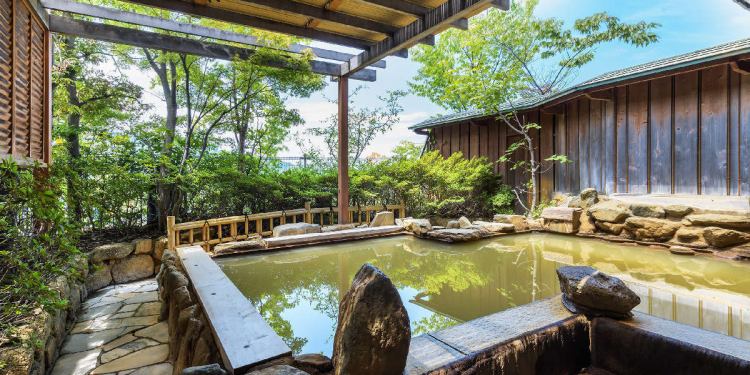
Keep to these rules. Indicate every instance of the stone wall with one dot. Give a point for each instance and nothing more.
(191, 342)
(123, 262)
(105, 265)
(683, 229)
(44, 334)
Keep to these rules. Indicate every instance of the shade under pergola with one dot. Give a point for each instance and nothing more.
(379, 28)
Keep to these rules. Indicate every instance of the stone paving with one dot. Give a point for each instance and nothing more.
(118, 332)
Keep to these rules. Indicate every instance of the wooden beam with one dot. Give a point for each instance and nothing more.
(558, 109)
(402, 6)
(253, 21)
(741, 66)
(185, 28)
(326, 14)
(603, 95)
(343, 170)
(462, 24)
(145, 39)
(447, 13)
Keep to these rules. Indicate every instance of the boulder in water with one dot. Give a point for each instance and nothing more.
(382, 219)
(373, 332)
(593, 293)
(458, 235)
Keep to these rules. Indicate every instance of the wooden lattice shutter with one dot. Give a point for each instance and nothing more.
(24, 83)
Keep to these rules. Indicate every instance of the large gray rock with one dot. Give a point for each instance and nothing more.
(647, 210)
(373, 332)
(593, 293)
(691, 235)
(720, 237)
(383, 218)
(677, 211)
(416, 226)
(212, 369)
(454, 224)
(518, 221)
(251, 244)
(295, 229)
(457, 235)
(650, 229)
(99, 277)
(132, 268)
(280, 370)
(719, 220)
(495, 227)
(111, 251)
(337, 227)
(313, 363)
(143, 246)
(588, 198)
(464, 222)
(609, 211)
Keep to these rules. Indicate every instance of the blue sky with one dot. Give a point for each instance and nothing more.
(686, 25)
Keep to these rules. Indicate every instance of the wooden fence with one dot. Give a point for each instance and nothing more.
(210, 232)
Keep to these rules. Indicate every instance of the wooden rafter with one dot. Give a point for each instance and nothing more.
(447, 13)
(741, 66)
(327, 14)
(402, 6)
(145, 39)
(253, 21)
(185, 28)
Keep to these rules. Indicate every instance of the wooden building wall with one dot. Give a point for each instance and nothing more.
(682, 134)
(24, 83)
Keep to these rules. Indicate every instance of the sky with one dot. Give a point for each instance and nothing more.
(686, 25)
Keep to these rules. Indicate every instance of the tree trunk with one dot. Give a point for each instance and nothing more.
(73, 141)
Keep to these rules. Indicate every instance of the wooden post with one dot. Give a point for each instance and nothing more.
(343, 197)
(170, 233)
(308, 216)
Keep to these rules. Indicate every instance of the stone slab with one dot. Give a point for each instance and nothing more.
(80, 363)
(243, 337)
(480, 334)
(141, 358)
(427, 353)
(342, 235)
(561, 213)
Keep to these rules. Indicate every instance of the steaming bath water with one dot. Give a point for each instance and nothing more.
(297, 291)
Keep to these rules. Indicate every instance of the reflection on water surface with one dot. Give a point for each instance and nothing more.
(298, 291)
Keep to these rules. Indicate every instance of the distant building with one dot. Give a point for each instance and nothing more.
(679, 125)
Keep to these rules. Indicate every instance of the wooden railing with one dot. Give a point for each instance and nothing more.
(208, 233)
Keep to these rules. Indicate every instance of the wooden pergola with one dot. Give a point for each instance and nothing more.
(377, 28)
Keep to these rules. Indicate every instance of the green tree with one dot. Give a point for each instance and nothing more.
(364, 124)
(507, 57)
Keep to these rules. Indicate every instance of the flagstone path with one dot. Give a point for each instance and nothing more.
(118, 332)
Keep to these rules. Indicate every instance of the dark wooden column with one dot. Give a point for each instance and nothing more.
(343, 198)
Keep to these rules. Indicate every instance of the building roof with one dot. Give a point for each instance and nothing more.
(707, 55)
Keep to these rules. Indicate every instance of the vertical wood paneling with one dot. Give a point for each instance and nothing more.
(573, 168)
(546, 149)
(502, 145)
(443, 141)
(37, 94)
(610, 147)
(686, 133)
(638, 138)
(621, 117)
(465, 136)
(455, 138)
(473, 139)
(561, 148)
(492, 143)
(483, 130)
(661, 135)
(595, 145)
(584, 140)
(713, 130)
(733, 167)
(744, 136)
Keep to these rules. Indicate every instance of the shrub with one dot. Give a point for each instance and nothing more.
(37, 245)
